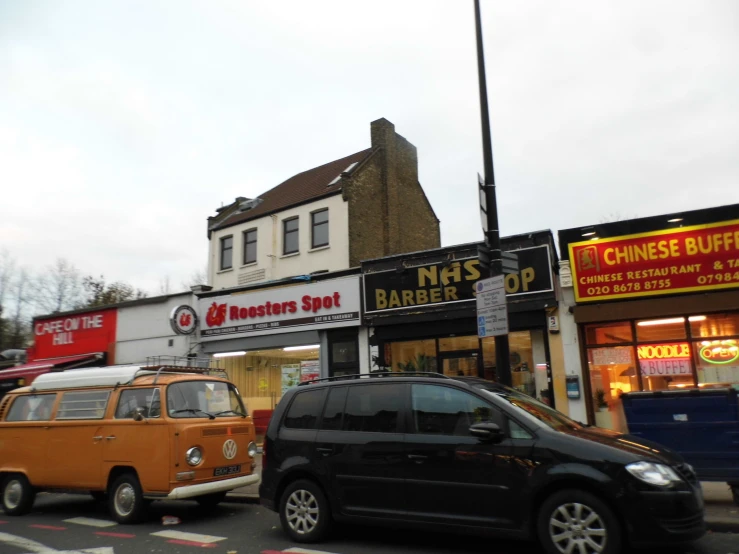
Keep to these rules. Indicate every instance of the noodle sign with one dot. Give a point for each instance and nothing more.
(719, 351)
(657, 360)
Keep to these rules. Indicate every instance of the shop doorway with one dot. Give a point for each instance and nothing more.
(464, 363)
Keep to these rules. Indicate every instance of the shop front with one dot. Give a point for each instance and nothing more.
(271, 338)
(657, 305)
(422, 313)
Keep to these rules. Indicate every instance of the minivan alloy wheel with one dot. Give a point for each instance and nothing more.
(577, 529)
(302, 511)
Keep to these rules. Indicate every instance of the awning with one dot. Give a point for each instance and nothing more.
(67, 361)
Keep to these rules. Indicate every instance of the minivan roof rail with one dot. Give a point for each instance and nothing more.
(376, 374)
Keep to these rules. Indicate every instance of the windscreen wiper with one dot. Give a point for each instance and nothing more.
(242, 414)
(194, 411)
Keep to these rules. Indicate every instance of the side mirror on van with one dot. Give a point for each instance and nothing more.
(486, 431)
(138, 414)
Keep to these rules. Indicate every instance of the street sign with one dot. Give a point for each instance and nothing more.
(492, 311)
(483, 205)
(510, 262)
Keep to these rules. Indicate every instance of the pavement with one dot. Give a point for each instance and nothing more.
(722, 515)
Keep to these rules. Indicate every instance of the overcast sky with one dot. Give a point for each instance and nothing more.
(123, 125)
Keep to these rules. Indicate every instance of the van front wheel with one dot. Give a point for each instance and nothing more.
(577, 521)
(126, 500)
(17, 495)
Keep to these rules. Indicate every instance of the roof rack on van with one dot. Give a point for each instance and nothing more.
(376, 374)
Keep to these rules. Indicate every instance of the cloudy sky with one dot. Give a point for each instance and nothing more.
(123, 125)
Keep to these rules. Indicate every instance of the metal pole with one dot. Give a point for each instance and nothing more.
(492, 237)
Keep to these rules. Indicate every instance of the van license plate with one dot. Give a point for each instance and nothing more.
(227, 470)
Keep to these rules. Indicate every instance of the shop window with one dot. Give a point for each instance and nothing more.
(373, 408)
(716, 325)
(411, 356)
(460, 365)
(290, 236)
(441, 410)
(664, 329)
(319, 228)
(522, 360)
(250, 246)
(609, 333)
(613, 371)
(333, 416)
(717, 361)
(263, 375)
(305, 410)
(447, 344)
(227, 248)
(35, 407)
(344, 354)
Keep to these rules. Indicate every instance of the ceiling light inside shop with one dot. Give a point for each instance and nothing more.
(593, 238)
(675, 220)
(697, 318)
(661, 321)
(229, 354)
(306, 347)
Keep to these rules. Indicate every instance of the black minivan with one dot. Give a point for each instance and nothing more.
(464, 454)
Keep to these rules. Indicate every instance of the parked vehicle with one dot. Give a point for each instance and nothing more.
(464, 454)
(126, 434)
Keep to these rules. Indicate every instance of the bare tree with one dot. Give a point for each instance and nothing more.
(101, 294)
(164, 285)
(7, 271)
(198, 277)
(19, 321)
(612, 217)
(59, 288)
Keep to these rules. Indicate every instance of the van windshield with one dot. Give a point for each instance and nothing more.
(538, 410)
(209, 399)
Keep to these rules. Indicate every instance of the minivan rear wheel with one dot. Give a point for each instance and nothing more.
(578, 522)
(304, 511)
(17, 494)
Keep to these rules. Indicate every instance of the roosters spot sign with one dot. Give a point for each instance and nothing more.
(183, 320)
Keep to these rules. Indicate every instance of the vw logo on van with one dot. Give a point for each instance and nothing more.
(229, 449)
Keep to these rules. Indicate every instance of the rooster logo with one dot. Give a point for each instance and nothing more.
(216, 315)
(185, 320)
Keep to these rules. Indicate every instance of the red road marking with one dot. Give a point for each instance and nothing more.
(49, 527)
(193, 543)
(117, 535)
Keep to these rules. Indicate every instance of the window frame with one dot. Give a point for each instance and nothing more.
(313, 226)
(65, 393)
(247, 242)
(321, 408)
(285, 232)
(148, 412)
(222, 251)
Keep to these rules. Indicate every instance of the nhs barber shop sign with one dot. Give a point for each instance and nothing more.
(320, 305)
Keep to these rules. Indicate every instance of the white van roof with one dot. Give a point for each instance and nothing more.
(89, 377)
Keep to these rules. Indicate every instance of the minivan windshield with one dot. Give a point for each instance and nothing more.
(538, 410)
(209, 399)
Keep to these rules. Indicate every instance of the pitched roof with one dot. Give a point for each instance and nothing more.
(303, 187)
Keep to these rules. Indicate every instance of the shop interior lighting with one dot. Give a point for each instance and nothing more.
(671, 320)
(588, 234)
(593, 238)
(306, 347)
(229, 354)
(675, 220)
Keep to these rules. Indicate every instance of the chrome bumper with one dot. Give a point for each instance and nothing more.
(191, 491)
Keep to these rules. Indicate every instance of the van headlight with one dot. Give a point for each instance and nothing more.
(654, 474)
(252, 449)
(194, 456)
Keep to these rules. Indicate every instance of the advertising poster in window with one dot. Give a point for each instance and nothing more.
(309, 370)
(290, 376)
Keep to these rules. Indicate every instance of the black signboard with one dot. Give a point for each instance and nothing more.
(444, 283)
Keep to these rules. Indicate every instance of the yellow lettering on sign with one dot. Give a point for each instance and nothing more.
(452, 273)
(430, 273)
(422, 297)
(450, 293)
(394, 301)
(473, 274)
(527, 276)
(407, 298)
(380, 299)
(435, 295)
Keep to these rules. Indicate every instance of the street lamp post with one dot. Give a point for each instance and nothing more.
(492, 235)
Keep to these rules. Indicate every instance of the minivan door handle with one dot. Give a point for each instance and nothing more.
(418, 458)
(324, 451)
(110, 438)
(97, 438)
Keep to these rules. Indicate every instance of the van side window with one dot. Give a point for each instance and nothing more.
(334, 413)
(305, 410)
(130, 400)
(373, 408)
(36, 407)
(441, 410)
(83, 405)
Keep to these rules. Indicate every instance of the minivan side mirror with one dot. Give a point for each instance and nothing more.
(138, 414)
(489, 432)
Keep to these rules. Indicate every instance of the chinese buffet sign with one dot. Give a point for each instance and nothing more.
(689, 259)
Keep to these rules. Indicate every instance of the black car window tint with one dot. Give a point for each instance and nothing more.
(373, 408)
(441, 410)
(305, 410)
(334, 412)
(517, 432)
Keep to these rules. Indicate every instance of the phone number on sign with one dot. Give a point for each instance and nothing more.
(726, 277)
(656, 284)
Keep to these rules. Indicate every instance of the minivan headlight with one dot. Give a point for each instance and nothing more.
(194, 456)
(654, 474)
(252, 449)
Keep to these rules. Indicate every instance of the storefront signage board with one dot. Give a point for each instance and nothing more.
(492, 312)
(439, 283)
(688, 259)
(321, 305)
(70, 335)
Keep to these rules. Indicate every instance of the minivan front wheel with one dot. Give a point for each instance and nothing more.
(304, 511)
(577, 522)
(126, 500)
(17, 495)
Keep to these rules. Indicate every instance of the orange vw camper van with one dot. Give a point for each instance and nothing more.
(127, 434)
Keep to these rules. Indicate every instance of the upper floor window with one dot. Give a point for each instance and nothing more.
(227, 250)
(250, 246)
(319, 228)
(290, 242)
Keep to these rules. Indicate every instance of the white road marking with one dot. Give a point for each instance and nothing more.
(304, 551)
(91, 522)
(192, 537)
(33, 547)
